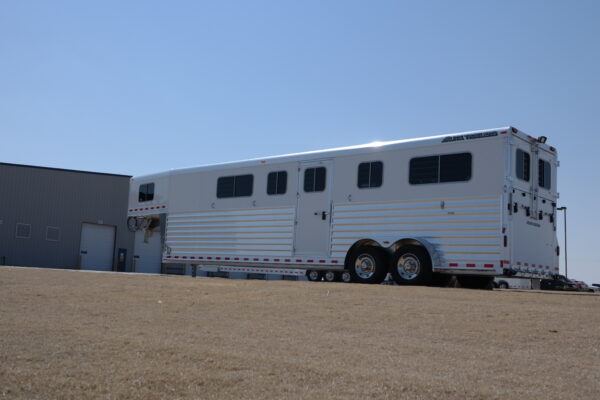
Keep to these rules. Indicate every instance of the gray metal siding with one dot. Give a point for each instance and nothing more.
(60, 198)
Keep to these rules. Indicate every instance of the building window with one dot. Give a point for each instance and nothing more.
(314, 179)
(440, 169)
(277, 182)
(235, 186)
(52, 233)
(370, 174)
(523, 165)
(23, 231)
(146, 192)
(544, 174)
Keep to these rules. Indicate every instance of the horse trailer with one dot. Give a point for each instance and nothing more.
(478, 204)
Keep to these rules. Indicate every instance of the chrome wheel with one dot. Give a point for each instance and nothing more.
(408, 266)
(365, 266)
(330, 276)
(346, 277)
(314, 275)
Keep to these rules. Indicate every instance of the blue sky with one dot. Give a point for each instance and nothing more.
(141, 86)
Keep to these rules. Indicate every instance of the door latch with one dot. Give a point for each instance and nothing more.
(323, 215)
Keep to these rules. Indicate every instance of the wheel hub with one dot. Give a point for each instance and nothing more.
(408, 266)
(364, 266)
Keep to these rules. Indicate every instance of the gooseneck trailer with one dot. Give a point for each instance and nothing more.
(477, 204)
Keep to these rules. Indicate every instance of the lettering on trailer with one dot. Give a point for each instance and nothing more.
(469, 136)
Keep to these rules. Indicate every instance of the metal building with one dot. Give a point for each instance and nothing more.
(61, 218)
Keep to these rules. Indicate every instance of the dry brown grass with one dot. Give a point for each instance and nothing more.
(74, 335)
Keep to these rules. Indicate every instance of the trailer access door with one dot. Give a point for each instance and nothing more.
(313, 210)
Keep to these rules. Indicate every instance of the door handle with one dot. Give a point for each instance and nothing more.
(323, 215)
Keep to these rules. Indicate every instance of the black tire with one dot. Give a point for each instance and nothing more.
(411, 265)
(368, 264)
(331, 276)
(502, 285)
(314, 275)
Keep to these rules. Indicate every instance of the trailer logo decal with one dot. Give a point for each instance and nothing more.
(471, 136)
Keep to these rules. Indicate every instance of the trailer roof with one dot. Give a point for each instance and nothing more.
(322, 154)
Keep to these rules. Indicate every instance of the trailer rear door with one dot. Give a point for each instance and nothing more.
(533, 236)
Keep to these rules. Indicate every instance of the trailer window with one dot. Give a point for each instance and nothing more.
(455, 167)
(370, 174)
(523, 165)
(146, 192)
(277, 182)
(440, 169)
(314, 179)
(424, 170)
(235, 186)
(544, 174)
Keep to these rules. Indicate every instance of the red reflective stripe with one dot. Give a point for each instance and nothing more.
(488, 266)
(265, 259)
(503, 132)
(276, 259)
(453, 264)
(470, 265)
(298, 260)
(321, 261)
(227, 258)
(287, 260)
(310, 261)
(256, 259)
(237, 258)
(334, 261)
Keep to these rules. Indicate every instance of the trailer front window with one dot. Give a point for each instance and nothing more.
(146, 192)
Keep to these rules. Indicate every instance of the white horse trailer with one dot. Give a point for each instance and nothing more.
(476, 204)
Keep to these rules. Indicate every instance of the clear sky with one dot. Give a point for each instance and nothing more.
(135, 87)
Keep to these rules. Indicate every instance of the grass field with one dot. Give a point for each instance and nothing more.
(77, 335)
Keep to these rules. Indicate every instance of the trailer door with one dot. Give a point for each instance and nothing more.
(313, 211)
